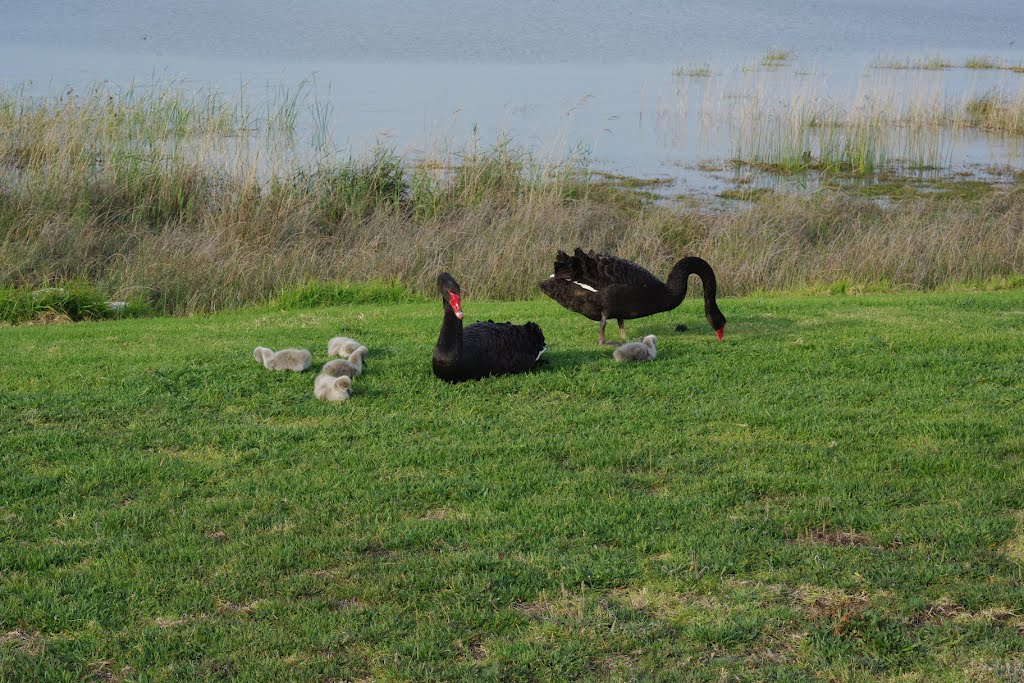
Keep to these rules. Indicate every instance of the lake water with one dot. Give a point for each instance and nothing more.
(549, 74)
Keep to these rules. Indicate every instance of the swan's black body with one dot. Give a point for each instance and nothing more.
(600, 287)
(481, 349)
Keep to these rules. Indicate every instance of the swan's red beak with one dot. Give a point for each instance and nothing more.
(720, 332)
(456, 303)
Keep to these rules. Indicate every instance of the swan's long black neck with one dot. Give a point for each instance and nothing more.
(449, 342)
(694, 265)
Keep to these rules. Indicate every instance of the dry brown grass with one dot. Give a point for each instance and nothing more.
(201, 225)
(26, 642)
(1014, 548)
(826, 534)
(831, 605)
(945, 609)
(501, 248)
(443, 514)
(665, 604)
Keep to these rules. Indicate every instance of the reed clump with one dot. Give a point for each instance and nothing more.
(911, 124)
(701, 70)
(188, 206)
(777, 57)
(809, 135)
(932, 63)
(984, 63)
(71, 302)
(998, 111)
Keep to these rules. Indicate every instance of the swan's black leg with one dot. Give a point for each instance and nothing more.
(600, 335)
(622, 329)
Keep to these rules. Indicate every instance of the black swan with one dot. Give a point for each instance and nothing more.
(481, 349)
(600, 287)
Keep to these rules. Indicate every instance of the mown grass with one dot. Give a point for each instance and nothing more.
(833, 493)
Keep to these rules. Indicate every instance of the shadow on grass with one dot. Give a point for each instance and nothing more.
(765, 325)
(761, 325)
(555, 361)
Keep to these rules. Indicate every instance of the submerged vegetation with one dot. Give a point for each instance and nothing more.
(934, 63)
(745, 194)
(182, 202)
(793, 121)
(702, 70)
(998, 111)
(777, 57)
(884, 127)
(982, 62)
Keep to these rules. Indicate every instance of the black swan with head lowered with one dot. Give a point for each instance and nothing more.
(600, 287)
(481, 349)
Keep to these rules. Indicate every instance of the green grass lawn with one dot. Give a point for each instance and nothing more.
(834, 492)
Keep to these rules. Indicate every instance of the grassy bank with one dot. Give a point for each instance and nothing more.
(834, 493)
(182, 202)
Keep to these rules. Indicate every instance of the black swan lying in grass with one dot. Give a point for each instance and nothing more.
(481, 349)
(602, 287)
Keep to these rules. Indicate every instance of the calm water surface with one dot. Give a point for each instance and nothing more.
(551, 74)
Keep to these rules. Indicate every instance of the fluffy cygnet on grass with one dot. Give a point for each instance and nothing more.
(342, 346)
(353, 367)
(295, 360)
(643, 350)
(330, 388)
